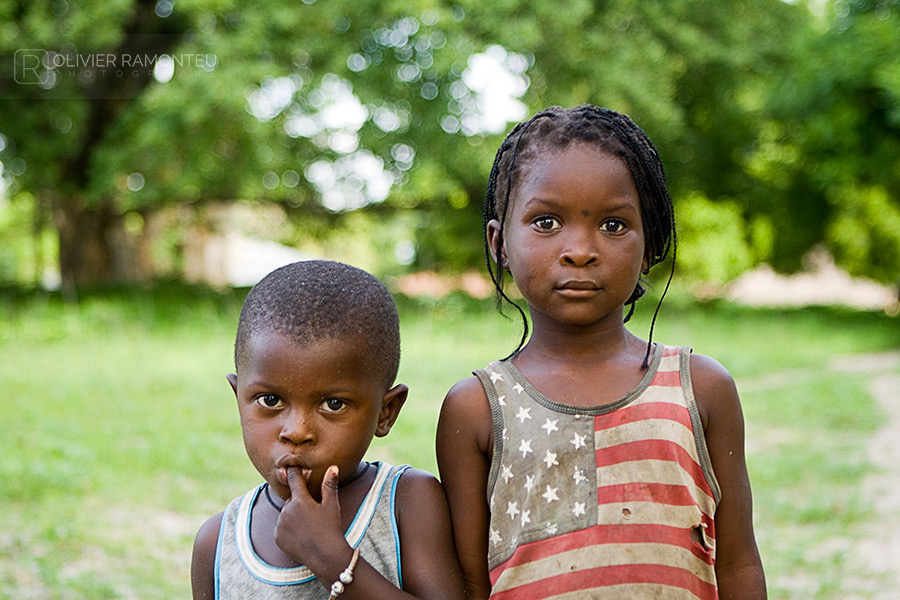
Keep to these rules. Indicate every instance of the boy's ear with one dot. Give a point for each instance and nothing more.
(232, 379)
(393, 401)
(493, 237)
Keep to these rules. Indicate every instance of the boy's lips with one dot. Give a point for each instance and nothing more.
(282, 466)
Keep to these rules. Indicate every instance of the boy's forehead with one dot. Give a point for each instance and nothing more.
(265, 339)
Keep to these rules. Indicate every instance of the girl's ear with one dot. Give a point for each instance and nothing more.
(493, 239)
(393, 401)
(645, 265)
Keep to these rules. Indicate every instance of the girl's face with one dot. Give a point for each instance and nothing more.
(573, 238)
(310, 406)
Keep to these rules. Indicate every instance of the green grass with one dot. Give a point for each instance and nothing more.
(120, 435)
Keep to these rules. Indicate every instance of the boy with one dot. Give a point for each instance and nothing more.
(316, 354)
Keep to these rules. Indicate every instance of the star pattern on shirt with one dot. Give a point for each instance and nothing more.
(579, 441)
(550, 459)
(550, 494)
(548, 474)
(525, 448)
(524, 413)
(550, 426)
(578, 476)
(495, 537)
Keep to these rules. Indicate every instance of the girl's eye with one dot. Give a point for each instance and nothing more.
(334, 404)
(268, 401)
(546, 223)
(612, 226)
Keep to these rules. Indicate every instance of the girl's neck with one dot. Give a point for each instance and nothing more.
(591, 368)
(567, 343)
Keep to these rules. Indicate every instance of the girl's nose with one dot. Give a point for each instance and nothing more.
(296, 428)
(579, 249)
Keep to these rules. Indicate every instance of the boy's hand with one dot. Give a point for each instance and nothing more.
(308, 531)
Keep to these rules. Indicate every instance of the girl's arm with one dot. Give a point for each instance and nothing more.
(739, 570)
(464, 449)
(310, 532)
(430, 567)
(203, 559)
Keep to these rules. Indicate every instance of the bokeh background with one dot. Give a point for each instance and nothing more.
(159, 157)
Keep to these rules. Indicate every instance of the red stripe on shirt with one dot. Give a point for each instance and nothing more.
(654, 450)
(642, 411)
(667, 379)
(602, 577)
(661, 493)
(603, 534)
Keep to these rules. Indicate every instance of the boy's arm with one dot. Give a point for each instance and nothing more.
(739, 570)
(464, 446)
(203, 559)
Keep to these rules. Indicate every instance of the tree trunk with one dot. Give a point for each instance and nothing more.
(94, 247)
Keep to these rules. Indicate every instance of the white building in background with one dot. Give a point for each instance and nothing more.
(234, 259)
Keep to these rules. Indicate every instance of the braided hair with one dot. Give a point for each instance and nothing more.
(609, 131)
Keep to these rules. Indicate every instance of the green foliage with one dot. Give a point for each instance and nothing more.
(783, 115)
(864, 233)
(712, 240)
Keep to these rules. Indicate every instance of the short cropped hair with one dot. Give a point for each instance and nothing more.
(313, 300)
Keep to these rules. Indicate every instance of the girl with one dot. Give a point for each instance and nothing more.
(590, 463)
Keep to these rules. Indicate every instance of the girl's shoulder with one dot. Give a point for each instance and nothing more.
(713, 387)
(467, 396)
(466, 417)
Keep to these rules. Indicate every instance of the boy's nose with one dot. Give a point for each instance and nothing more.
(296, 427)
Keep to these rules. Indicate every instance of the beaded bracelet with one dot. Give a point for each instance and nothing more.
(345, 578)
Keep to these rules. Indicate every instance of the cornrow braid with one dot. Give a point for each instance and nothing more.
(609, 131)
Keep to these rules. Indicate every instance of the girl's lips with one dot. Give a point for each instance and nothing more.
(577, 289)
(579, 286)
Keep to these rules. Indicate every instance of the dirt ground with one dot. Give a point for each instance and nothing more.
(880, 549)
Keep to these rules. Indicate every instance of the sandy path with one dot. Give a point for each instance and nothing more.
(879, 551)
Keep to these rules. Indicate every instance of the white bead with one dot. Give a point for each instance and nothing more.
(346, 577)
(337, 588)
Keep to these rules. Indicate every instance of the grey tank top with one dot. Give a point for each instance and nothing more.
(240, 573)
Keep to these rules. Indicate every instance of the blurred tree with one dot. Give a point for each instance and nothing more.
(829, 141)
(256, 105)
(765, 108)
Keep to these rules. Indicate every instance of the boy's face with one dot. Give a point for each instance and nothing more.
(310, 406)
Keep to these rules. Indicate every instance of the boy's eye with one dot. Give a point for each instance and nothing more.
(546, 223)
(333, 404)
(612, 226)
(268, 401)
